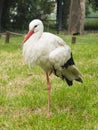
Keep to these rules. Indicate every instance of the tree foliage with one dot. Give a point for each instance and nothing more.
(17, 14)
(1, 10)
(94, 4)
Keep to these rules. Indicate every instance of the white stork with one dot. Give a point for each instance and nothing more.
(51, 53)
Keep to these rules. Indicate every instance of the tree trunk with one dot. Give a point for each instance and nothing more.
(1, 9)
(76, 18)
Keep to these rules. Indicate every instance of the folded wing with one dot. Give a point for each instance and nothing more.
(63, 65)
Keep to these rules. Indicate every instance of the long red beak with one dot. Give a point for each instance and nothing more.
(28, 36)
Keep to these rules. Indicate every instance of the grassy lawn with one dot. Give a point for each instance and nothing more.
(23, 98)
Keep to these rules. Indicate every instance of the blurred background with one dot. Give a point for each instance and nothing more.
(57, 15)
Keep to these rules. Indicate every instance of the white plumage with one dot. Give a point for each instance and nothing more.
(51, 53)
(59, 56)
(39, 49)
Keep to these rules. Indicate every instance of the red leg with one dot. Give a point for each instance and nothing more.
(49, 89)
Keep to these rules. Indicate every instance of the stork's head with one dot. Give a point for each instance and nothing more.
(35, 26)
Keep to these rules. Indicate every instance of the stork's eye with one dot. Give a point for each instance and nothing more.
(35, 26)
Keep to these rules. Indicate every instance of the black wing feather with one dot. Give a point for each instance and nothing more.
(69, 62)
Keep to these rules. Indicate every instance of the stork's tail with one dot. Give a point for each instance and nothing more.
(79, 80)
(69, 82)
(72, 73)
(69, 74)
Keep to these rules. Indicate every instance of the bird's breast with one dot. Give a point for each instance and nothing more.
(37, 55)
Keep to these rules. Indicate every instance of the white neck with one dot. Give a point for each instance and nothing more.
(37, 35)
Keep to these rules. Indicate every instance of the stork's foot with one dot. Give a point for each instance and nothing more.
(48, 115)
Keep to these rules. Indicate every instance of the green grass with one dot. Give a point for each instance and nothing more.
(23, 98)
